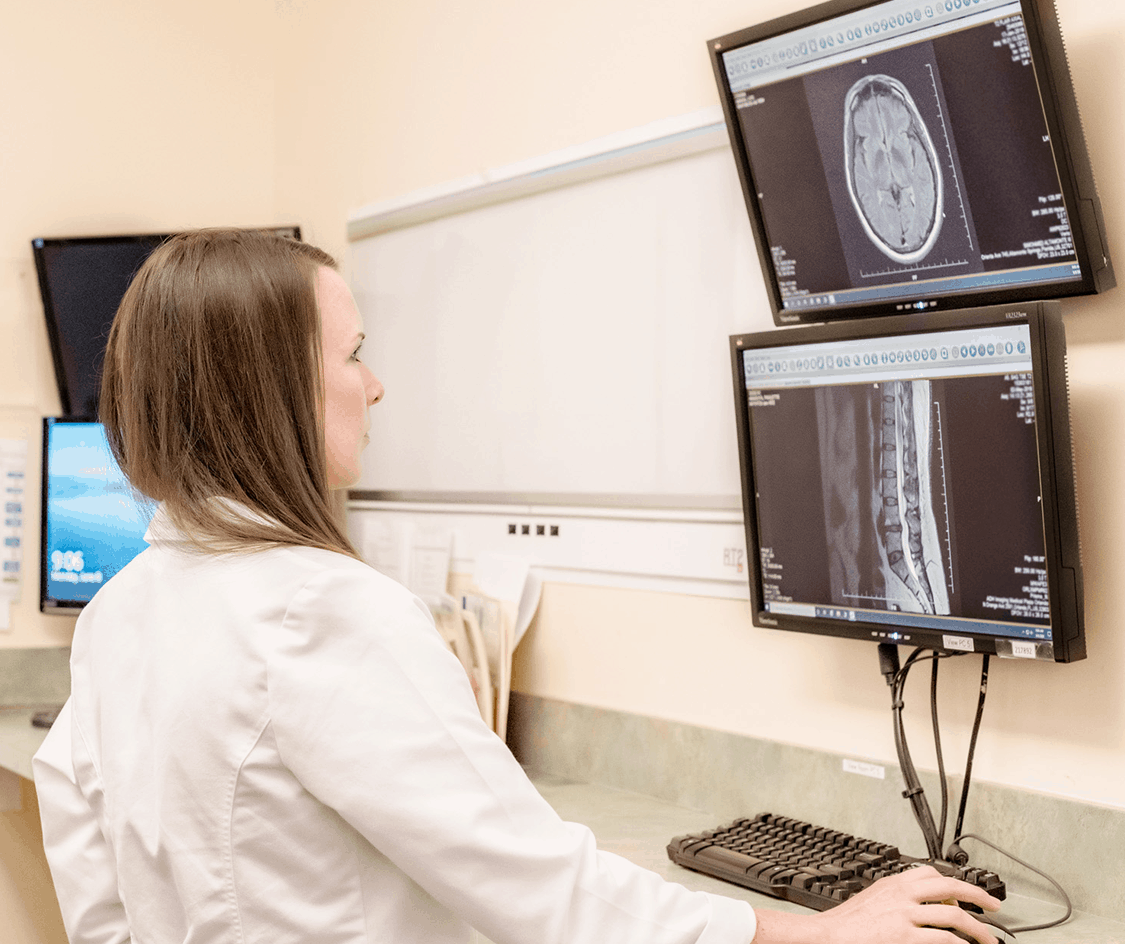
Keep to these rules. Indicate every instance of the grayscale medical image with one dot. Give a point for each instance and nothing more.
(885, 523)
(893, 183)
(894, 179)
(913, 495)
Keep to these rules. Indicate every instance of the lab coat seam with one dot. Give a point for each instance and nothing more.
(105, 818)
(228, 851)
(92, 760)
(283, 626)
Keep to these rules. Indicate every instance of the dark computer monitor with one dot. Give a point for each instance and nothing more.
(909, 480)
(81, 282)
(93, 523)
(911, 156)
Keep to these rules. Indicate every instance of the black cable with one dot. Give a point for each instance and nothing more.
(913, 792)
(888, 661)
(896, 678)
(1004, 852)
(972, 750)
(932, 833)
(937, 751)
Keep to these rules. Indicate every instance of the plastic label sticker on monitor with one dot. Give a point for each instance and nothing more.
(93, 521)
(793, 609)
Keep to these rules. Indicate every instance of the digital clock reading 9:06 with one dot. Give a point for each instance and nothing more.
(70, 567)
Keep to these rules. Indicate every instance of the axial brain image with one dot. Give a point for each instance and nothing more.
(893, 175)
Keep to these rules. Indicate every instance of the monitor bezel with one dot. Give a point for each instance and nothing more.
(1068, 145)
(40, 246)
(1055, 461)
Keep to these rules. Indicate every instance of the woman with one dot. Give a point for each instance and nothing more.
(267, 740)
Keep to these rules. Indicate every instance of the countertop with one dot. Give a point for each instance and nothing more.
(638, 828)
(19, 739)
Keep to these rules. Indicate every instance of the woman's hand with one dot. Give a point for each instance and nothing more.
(917, 906)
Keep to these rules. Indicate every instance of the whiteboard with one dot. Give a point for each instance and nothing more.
(569, 342)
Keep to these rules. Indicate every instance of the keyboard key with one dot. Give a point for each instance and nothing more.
(726, 858)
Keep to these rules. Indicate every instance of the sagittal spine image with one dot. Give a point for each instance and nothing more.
(884, 515)
(903, 460)
(894, 180)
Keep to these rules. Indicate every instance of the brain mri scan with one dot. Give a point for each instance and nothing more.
(893, 175)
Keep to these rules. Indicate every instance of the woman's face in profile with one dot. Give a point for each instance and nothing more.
(349, 387)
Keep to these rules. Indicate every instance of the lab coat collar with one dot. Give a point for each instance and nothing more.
(161, 529)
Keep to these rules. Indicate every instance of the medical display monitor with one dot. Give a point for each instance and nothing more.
(911, 155)
(909, 480)
(93, 523)
(81, 281)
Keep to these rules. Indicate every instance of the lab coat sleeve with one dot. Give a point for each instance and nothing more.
(82, 862)
(377, 719)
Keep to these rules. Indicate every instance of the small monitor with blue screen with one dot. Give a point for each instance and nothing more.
(93, 521)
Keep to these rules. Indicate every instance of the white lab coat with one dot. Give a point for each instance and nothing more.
(277, 747)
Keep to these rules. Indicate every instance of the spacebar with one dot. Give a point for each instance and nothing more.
(727, 859)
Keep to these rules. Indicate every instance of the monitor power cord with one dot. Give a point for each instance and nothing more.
(934, 834)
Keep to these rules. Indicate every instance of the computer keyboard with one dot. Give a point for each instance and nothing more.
(809, 865)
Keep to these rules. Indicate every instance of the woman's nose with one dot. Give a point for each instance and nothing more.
(375, 390)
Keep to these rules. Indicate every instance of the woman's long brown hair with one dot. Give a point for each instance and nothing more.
(212, 385)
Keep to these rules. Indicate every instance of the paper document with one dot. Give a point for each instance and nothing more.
(506, 597)
(417, 557)
(13, 485)
(512, 580)
(428, 571)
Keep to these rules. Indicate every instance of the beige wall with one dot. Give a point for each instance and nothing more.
(123, 116)
(408, 94)
(139, 115)
(416, 94)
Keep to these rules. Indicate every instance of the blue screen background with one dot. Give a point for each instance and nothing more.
(95, 523)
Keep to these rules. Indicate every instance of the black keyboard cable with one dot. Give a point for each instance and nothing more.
(1004, 852)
